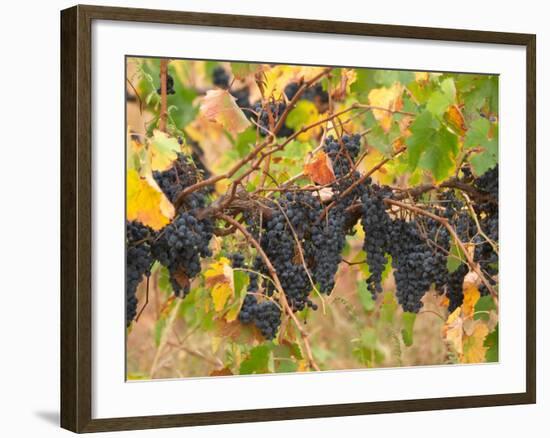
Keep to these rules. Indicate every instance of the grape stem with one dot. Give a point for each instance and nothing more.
(282, 297)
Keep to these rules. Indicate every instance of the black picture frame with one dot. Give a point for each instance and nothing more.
(76, 217)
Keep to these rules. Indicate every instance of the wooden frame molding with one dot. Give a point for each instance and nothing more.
(76, 222)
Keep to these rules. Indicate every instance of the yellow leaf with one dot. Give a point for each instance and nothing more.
(302, 366)
(319, 169)
(421, 76)
(217, 271)
(471, 296)
(372, 159)
(219, 277)
(388, 98)
(452, 330)
(163, 149)
(275, 79)
(307, 73)
(233, 313)
(219, 106)
(303, 114)
(455, 118)
(473, 348)
(145, 202)
(215, 342)
(220, 293)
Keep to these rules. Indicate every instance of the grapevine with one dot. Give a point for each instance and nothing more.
(278, 196)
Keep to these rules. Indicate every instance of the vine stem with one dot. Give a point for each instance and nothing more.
(282, 297)
(443, 221)
(163, 94)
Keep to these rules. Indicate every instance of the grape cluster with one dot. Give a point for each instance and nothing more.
(183, 173)
(291, 89)
(138, 262)
(488, 213)
(414, 262)
(280, 246)
(342, 155)
(455, 284)
(265, 315)
(317, 95)
(262, 117)
(169, 85)
(314, 94)
(180, 246)
(220, 78)
(376, 224)
(242, 99)
(328, 238)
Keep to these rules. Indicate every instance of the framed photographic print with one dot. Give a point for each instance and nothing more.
(339, 215)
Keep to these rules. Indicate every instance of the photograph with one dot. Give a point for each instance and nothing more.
(287, 218)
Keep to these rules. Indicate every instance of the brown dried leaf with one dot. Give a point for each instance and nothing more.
(319, 169)
(221, 372)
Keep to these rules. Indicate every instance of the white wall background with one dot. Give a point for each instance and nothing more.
(29, 196)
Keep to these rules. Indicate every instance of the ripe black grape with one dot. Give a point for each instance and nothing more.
(138, 262)
(183, 173)
(169, 85)
(328, 239)
(262, 118)
(220, 78)
(376, 224)
(180, 246)
(265, 315)
(455, 284)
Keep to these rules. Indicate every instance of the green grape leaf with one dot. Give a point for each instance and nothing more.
(160, 325)
(257, 361)
(439, 156)
(365, 296)
(454, 259)
(378, 139)
(242, 69)
(286, 366)
(304, 113)
(431, 146)
(164, 279)
(388, 308)
(387, 78)
(245, 141)
(484, 304)
(440, 100)
(240, 280)
(408, 328)
(480, 135)
(491, 343)
(364, 83)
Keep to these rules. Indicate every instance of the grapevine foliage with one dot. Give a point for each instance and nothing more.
(388, 177)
